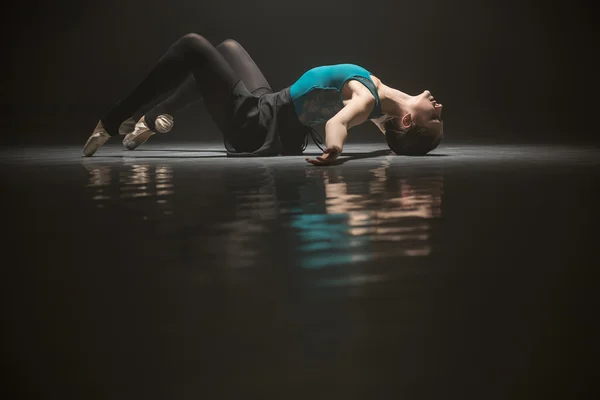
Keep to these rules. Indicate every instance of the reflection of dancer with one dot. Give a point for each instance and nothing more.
(394, 209)
(255, 120)
(138, 180)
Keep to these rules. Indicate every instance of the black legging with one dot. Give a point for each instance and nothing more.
(192, 68)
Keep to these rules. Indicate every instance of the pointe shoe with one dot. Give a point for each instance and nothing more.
(96, 140)
(164, 123)
(100, 136)
(127, 126)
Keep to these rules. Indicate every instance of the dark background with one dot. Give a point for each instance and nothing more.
(506, 71)
(513, 316)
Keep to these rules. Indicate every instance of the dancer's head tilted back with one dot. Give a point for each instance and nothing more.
(412, 124)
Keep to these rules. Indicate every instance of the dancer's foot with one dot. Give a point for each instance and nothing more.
(99, 136)
(164, 123)
(96, 140)
(127, 126)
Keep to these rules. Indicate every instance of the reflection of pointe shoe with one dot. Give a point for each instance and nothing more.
(164, 123)
(96, 140)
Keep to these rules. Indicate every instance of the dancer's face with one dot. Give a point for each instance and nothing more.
(426, 112)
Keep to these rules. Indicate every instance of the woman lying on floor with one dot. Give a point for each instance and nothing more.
(257, 121)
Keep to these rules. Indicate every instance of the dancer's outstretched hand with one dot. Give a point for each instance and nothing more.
(329, 155)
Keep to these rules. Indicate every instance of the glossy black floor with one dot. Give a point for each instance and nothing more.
(173, 272)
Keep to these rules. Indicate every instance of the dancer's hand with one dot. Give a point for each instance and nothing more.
(329, 155)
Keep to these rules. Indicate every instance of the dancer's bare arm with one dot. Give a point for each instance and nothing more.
(355, 112)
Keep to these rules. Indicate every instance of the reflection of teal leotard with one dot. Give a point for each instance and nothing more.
(317, 94)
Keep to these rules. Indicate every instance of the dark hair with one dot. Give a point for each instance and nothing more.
(415, 141)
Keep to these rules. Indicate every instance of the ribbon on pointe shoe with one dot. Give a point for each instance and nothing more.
(164, 123)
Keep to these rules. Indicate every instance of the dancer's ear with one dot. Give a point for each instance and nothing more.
(407, 121)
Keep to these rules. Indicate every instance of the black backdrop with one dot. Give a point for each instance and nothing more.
(505, 71)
